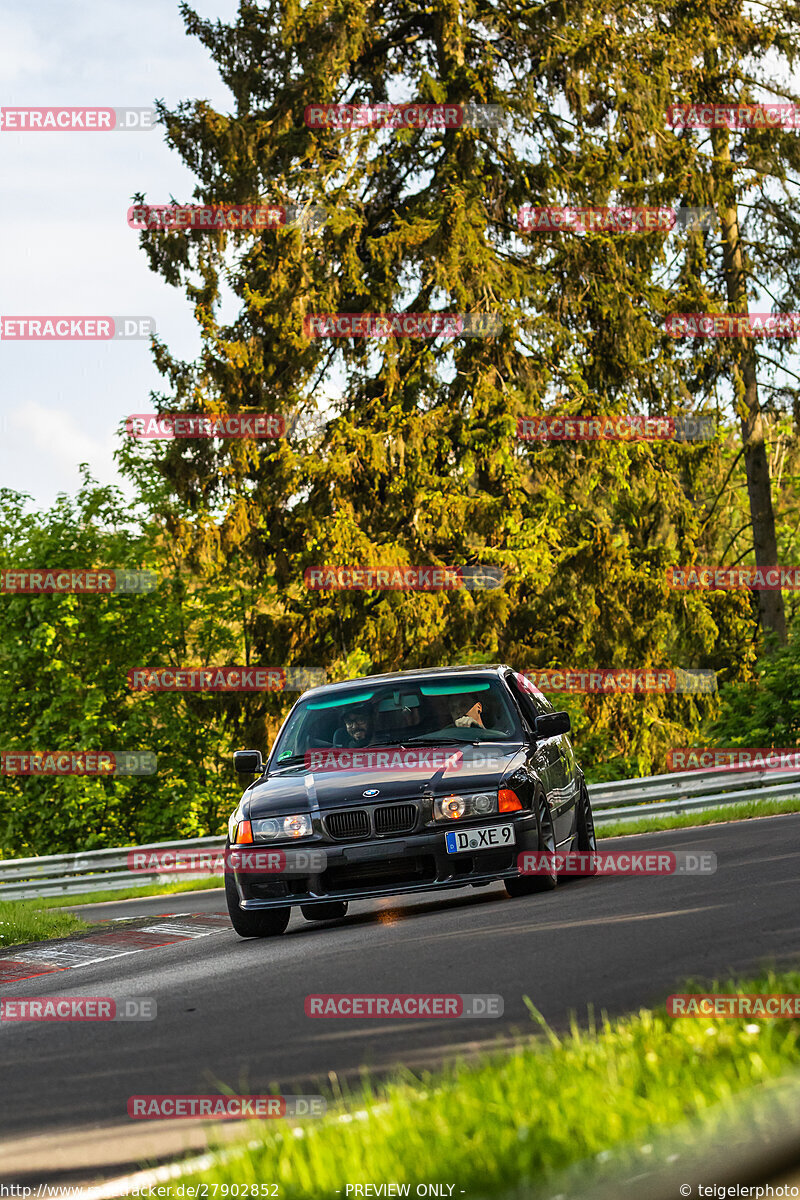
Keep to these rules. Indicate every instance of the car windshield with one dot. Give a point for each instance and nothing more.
(449, 710)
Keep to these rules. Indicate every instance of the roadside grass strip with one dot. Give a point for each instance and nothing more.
(708, 816)
(514, 1122)
(23, 921)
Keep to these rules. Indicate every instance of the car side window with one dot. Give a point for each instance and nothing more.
(529, 698)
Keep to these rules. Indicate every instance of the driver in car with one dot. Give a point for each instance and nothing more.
(357, 727)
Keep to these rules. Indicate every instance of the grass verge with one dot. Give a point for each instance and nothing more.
(709, 816)
(45, 917)
(518, 1120)
(24, 921)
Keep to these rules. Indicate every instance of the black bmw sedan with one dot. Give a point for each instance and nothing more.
(416, 781)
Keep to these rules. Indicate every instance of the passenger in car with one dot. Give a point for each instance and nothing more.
(467, 711)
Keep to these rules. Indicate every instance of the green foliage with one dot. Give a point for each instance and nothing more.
(766, 713)
(405, 450)
(64, 661)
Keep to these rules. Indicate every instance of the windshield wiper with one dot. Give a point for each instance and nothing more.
(437, 741)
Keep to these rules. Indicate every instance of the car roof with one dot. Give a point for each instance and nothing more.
(405, 677)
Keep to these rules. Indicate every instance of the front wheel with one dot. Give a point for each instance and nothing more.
(267, 922)
(526, 885)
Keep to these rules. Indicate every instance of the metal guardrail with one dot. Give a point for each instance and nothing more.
(688, 791)
(620, 800)
(91, 871)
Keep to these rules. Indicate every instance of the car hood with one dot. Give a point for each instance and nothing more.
(299, 788)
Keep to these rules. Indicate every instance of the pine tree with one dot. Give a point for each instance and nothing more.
(416, 459)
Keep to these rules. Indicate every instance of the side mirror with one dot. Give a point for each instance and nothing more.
(552, 724)
(248, 762)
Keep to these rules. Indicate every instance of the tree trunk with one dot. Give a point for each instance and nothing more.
(759, 490)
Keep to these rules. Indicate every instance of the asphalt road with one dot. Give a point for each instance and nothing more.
(230, 1012)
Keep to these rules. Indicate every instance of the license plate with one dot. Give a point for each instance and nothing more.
(487, 838)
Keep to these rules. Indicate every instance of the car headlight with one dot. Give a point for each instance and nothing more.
(298, 825)
(455, 807)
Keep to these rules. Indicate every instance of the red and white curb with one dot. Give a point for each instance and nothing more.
(147, 933)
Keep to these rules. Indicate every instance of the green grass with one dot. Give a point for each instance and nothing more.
(108, 896)
(709, 816)
(45, 917)
(23, 921)
(514, 1121)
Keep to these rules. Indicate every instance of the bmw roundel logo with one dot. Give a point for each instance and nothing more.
(372, 792)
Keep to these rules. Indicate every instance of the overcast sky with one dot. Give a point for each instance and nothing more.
(65, 245)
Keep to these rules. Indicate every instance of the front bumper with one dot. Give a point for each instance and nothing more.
(390, 866)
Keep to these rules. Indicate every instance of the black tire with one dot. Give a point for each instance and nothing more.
(267, 922)
(331, 910)
(585, 838)
(527, 885)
